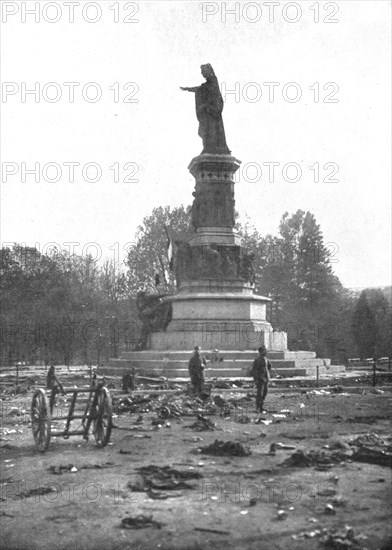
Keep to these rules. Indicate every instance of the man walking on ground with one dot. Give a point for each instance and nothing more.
(261, 372)
(196, 368)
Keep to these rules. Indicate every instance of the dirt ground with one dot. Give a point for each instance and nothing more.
(242, 502)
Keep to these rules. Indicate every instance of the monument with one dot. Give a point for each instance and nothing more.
(215, 305)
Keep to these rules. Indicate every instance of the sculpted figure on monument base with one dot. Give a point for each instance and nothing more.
(154, 315)
(212, 262)
(213, 207)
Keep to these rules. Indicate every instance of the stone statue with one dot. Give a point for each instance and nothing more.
(154, 315)
(209, 107)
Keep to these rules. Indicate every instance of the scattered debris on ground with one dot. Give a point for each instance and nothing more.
(243, 419)
(225, 407)
(261, 495)
(38, 491)
(303, 459)
(156, 479)
(214, 531)
(140, 522)
(372, 456)
(371, 440)
(336, 444)
(372, 449)
(175, 406)
(344, 539)
(202, 424)
(368, 448)
(134, 404)
(365, 419)
(284, 447)
(62, 468)
(169, 410)
(226, 448)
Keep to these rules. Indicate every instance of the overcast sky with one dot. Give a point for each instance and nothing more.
(335, 118)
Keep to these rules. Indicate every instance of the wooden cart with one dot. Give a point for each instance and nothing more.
(97, 414)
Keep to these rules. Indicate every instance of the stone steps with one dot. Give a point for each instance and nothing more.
(174, 364)
(158, 369)
(220, 364)
(168, 372)
(291, 354)
(305, 363)
(226, 355)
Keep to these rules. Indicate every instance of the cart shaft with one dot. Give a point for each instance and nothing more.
(59, 434)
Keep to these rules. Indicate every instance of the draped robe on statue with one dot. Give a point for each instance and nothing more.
(209, 107)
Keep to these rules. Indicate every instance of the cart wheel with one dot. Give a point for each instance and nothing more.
(40, 420)
(103, 418)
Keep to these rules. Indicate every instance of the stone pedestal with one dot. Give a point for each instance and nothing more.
(215, 321)
(213, 212)
(215, 306)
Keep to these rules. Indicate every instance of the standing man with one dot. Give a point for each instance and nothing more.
(52, 382)
(196, 368)
(261, 371)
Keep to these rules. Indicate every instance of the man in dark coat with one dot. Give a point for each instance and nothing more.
(52, 382)
(261, 372)
(196, 368)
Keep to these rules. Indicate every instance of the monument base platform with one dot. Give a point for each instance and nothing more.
(209, 336)
(217, 320)
(220, 364)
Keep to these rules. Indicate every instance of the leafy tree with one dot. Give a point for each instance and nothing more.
(148, 256)
(62, 308)
(294, 270)
(113, 282)
(371, 324)
(364, 327)
(345, 346)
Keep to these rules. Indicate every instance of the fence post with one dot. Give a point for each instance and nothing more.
(374, 372)
(317, 374)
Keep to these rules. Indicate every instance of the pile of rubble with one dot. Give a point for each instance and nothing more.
(372, 449)
(369, 448)
(156, 481)
(226, 448)
(170, 406)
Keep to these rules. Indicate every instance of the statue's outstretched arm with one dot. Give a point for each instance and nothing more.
(189, 89)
